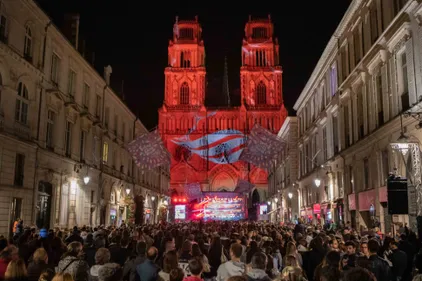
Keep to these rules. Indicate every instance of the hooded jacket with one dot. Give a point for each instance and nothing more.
(229, 269)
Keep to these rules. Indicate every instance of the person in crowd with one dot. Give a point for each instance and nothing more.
(102, 256)
(234, 266)
(258, 267)
(39, 265)
(170, 263)
(10, 253)
(129, 270)
(72, 263)
(63, 277)
(16, 271)
(195, 269)
(177, 274)
(358, 274)
(148, 270)
(349, 258)
(110, 272)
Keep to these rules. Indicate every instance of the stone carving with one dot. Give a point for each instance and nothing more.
(272, 95)
(13, 75)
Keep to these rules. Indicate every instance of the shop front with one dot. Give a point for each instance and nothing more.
(351, 201)
(309, 215)
(317, 213)
(367, 208)
(338, 207)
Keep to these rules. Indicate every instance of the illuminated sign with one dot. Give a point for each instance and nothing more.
(220, 206)
(263, 209)
(180, 212)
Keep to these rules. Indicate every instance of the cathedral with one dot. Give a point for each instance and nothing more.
(205, 142)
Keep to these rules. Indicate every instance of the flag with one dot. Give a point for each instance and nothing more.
(222, 147)
(243, 186)
(193, 191)
(148, 151)
(261, 147)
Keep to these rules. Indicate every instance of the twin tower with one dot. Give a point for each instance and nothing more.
(184, 111)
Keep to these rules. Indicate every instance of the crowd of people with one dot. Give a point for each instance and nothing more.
(214, 251)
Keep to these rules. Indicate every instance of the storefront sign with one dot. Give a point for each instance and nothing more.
(366, 199)
(317, 208)
(382, 193)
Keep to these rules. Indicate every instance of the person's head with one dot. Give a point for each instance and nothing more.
(62, 277)
(373, 246)
(291, 248)
(102, 256)
(195, 266)
(259, 261)
(329, 273)
(177, 274)
(170, 244)
(152, 253)
(40, 255)
(170, 261)
(350, 247)
(393, 245)
(196, 250)
(364, 248)
(333, 243)
(141, 248)
(236, 251)
(110, 272)
(332, 259)
(16, 270)
(74, 249)
(187, 246)
(358, 274)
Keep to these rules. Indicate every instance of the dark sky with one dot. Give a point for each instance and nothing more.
(132, 36)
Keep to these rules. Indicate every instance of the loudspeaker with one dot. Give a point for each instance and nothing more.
(397, 196)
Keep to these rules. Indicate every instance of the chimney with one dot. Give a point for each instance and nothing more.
(71, 29)
(107, 72)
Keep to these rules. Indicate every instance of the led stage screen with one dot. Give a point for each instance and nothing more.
(221, 147)
(180, 212)
(221, 206)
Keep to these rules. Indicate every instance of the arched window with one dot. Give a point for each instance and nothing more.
(261, 93)
(22, 102)
(184, 93)
(27, 51)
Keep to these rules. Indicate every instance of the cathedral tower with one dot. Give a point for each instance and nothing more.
(260, 74)
(185, 74)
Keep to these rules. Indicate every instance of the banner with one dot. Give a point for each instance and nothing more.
(262, 147)
(243, 186)
(148, 151)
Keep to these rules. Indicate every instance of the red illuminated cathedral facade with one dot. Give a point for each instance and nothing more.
(205, 142)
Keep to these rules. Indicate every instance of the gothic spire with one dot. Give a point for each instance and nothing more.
(226, 91)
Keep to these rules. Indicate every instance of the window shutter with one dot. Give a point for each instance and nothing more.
(385, 95)
(411, 72)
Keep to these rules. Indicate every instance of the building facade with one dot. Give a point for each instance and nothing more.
(350, 112)
(63, 131)
(205, 142)
(282, 179)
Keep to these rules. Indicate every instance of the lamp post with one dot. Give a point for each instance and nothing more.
(317, 182)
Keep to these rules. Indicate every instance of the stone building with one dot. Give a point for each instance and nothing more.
(282, 187)
(63, 131)
(350, 111)
(205, 141)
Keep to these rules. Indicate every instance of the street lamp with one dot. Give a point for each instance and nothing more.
(317, 182)
(290, 195)
(153, 198)
(269, 203)
(403, 144)
(86, 179)
(127, 191)
(276, 200)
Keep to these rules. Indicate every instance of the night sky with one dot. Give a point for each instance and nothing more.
(132, 36)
